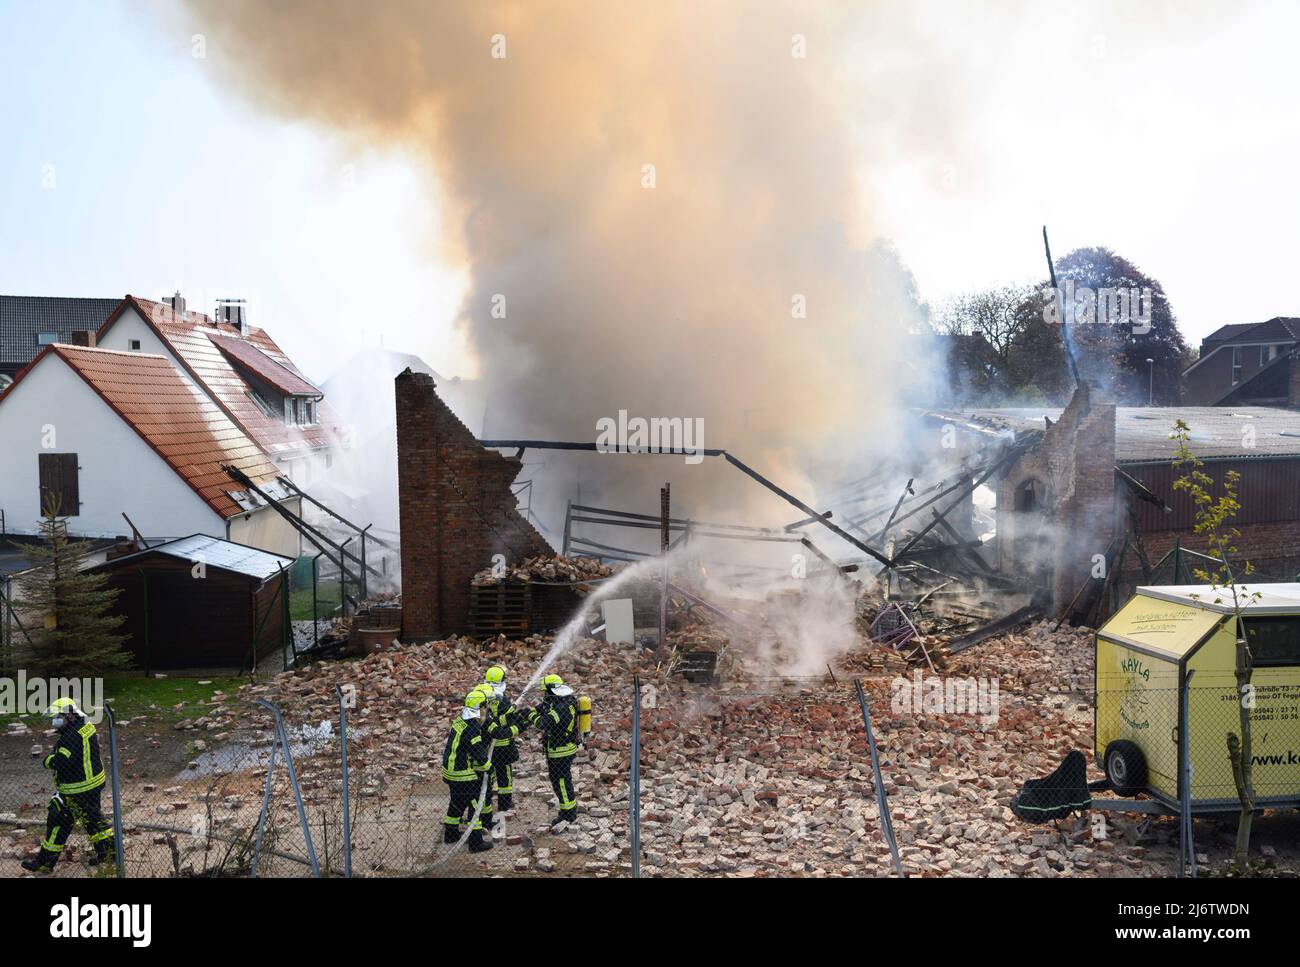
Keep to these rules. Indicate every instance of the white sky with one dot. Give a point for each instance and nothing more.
(1171, 141)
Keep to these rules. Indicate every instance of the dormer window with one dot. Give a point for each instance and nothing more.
(46, 338)
(299, 410)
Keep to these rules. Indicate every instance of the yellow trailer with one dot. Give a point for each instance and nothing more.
(1166, 638)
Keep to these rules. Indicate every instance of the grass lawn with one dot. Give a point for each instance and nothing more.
(161, 699)
(328, 597)
(133, 695)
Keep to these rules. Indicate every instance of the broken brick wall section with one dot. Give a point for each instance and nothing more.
(1075, 462)
(455, 508)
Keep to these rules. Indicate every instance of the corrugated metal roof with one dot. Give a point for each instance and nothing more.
(1142, 432)
(215, 552)
(176, 419)
(23, 316)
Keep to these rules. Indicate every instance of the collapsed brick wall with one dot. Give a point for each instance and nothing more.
(455, 508)
(1075, 460)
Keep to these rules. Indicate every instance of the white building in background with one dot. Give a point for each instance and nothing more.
(241, 370)
(110, 433)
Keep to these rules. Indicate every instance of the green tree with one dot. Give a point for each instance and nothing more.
(1115, 355)
(1214, 517)
(74, 631)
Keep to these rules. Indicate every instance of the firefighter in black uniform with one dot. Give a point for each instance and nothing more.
(557, 717)
(508, 722)
(79, 779)
(465, 767)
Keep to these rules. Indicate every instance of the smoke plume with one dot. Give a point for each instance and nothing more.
(659, 205)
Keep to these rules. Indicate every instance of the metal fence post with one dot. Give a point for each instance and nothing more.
(634, 792)
(1187, 845)
(315, 606)
(343, 753)
(266, 802)
(293, 781)
(882, 805)
(116, 774)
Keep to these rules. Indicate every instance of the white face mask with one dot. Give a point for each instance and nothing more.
(60, 721)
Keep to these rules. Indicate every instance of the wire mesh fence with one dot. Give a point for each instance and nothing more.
(765, 779)
(1139, 731)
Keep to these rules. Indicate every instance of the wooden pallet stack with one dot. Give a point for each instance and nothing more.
(500, 609)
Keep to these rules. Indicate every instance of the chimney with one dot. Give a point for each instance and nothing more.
(177, 302)
(233, 312)
(84, 337)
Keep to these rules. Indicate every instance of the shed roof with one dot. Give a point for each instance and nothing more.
(214, 552)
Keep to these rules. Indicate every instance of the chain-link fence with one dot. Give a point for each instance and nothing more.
(765, 779)
(1139, 740)
(748, 778)
(250, 791)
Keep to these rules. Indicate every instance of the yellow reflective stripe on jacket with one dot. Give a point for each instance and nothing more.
(449, 770)
(92, 780)
(86, 732)
(562, 751)
(73, 787)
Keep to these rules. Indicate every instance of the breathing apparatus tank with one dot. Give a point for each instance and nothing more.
(584, 715)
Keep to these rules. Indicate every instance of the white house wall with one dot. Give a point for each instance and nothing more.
(119, 472)
(130, 326)
(266, 529)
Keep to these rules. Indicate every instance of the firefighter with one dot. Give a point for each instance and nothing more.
(557, 717)
(464, 768)
(78, 779)
(508, 721)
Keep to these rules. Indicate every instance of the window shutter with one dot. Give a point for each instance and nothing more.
(59, 477)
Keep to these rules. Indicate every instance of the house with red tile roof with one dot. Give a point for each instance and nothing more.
(242, 370)
(113, 434)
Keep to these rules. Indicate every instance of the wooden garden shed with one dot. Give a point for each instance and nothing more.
(200, 602)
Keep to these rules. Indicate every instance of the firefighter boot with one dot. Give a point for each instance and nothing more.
(42, 863)
(477, 844)
(450, 834)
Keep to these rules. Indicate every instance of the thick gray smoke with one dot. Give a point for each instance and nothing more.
(664, 208)
(659, 207)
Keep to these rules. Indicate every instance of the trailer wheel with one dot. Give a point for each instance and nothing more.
(1126, 768)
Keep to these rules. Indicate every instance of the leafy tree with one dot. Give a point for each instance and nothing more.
(1213, 522)
(75, 631)
(1113, 354)
(1002, 350)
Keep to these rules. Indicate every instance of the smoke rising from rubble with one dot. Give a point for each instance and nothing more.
(743, 288)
